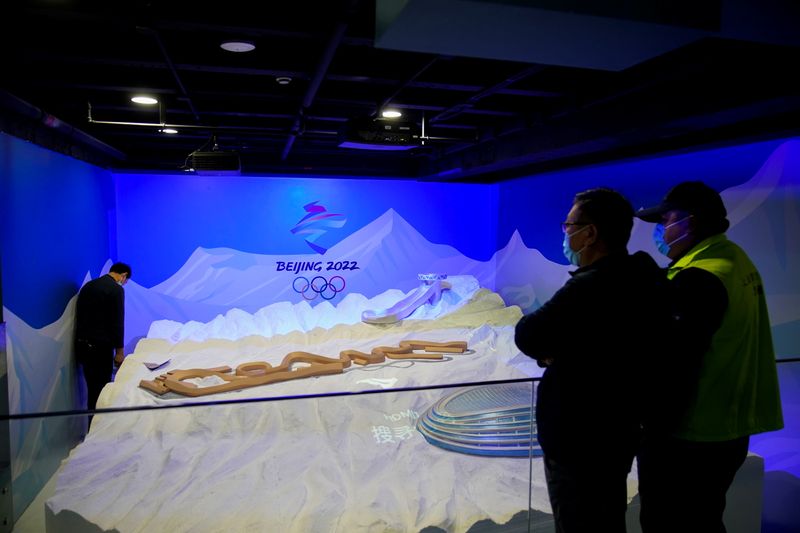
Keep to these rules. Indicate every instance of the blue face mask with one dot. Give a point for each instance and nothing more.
(663, 246)
(572, 256)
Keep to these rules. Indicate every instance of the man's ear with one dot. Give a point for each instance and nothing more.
(691, 224)
(591, 234)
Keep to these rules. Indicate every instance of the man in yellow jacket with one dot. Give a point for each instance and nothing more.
(725, 385)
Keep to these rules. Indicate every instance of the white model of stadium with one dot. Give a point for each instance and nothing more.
(495, 420)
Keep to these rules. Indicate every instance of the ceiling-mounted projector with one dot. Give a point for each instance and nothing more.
(215, 162)
(380, 134)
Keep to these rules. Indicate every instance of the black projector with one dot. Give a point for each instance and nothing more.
(216, 162)
(380, 134)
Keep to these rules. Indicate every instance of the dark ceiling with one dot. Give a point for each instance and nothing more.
(491, 101)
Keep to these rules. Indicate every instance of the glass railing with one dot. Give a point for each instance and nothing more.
(780, 452)
(444, 458)
(460, 457)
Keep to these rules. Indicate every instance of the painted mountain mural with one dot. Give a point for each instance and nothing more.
(389, 253)
(386, 255)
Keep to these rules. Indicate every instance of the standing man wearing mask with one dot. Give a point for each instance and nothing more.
(593, 337)
(100, 328)
(723, 386)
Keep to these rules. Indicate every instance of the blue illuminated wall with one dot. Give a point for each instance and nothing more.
(57, 224)
(56, 227)
(164, 218)
(759, 183)
(535, 205)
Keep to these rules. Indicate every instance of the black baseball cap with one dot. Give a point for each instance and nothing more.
(693, 197)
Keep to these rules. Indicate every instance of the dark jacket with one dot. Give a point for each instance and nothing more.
(602, 331)
(100, 313)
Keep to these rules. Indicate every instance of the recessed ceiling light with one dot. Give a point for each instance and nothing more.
(171, 131)
(146, 100)
(283, 80)
(238, 46)
(391, 113)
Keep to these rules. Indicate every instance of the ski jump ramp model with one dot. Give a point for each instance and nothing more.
(429, 291)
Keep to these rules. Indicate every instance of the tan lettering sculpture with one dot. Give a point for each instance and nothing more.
(262, 373)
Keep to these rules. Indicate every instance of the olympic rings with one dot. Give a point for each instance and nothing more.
(319, 287)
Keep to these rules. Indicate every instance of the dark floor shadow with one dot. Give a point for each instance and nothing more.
(781, 506)
(539, 523)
